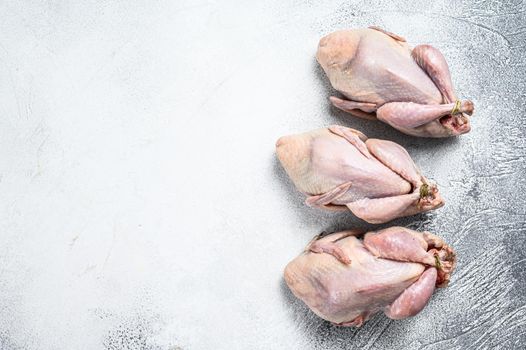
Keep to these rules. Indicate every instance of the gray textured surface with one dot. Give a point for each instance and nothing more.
(142, 206)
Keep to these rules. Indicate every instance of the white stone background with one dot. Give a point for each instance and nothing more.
(142, 205)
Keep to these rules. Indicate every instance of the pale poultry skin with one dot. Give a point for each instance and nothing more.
(346, 280)
(340, 169)
(381, 77)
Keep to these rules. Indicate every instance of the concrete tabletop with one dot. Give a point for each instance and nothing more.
(143, 207)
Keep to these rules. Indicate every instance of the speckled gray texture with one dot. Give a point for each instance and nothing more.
(142, 206)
